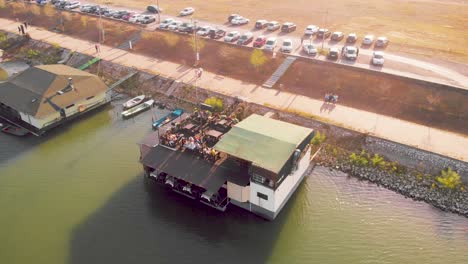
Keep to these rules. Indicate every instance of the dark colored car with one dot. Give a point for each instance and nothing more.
(103, 10)
(337, 36)
(154, 9)
(323, 33)
(261, 24)
(259, 41)
(352, 38)
(127, 16)
(120, 14)
(216, 33)
(288, 27)
(333, 54)
(245, 39)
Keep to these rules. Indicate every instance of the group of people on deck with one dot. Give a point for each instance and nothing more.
(195, 143)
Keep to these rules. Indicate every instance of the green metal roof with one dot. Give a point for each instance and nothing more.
(266, 142)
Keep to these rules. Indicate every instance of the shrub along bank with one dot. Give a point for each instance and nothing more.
(445, 191)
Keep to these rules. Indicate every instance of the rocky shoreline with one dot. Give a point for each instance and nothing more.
(409, 184)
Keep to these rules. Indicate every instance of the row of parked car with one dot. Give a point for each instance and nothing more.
(310, 31)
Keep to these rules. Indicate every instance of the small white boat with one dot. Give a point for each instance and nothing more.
(138, 109)
(134, 101)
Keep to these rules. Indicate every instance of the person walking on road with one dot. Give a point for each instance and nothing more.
(19, 30)
(22, 29)
(98, 49)
(200, 72)
(26, 24)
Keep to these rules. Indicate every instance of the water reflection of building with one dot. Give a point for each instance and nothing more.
(256, 164)
(45, 96)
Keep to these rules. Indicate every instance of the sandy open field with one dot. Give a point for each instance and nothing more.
(420, 27)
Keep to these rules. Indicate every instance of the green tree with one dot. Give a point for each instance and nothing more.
(449, 179)
(318, 138)
(216, 103)
(258, 58)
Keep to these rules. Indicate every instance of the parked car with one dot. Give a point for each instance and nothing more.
(323, 33)
(337, 36)
(368, 40)
(273, 25)
(135, 18)
(240, 21)
(128, 15)
(103, 10)
(52, 1)
(146, 19)
(72, 5)
(187, 11)
(120, 14)
(41, 2)
(204, 30)
(165, 23)
(288, 27)
(232, 16)
(111, 13)
(82, 8)
(259, 41)
(287, 46)
(352, 38)
(245, 39)
(270, 44)
(183, 27)
(261, 24)
(174, 25)
(311, 30)
(154, 9)
(309, 49)
(378, 58)
(217, 33)
(381, 42)
(232, 36)
(333, 53)
(350, 52)
(90, 9)
(61, 4)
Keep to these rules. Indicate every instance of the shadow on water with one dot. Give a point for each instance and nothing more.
(12, 146)
(146, 223)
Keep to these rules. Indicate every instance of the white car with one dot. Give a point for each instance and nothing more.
(232, 36)
(287, 46)
(166, 22)
(378, 58)
(273, 25)
(311, 30)
(204, 30)
(381, 42)
(187, 11)
(350, 52)
(72, 5)
(146, 19)
(174, 25)
(310, 49)
(240, 21)
(368, 40)
(270, 44)
(135, 18)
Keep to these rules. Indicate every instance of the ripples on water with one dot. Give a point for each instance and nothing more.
(78, 196)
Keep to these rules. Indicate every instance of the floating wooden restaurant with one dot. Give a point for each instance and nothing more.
(45, 96)
(255, 164)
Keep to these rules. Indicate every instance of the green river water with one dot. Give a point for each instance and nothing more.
(78, 196)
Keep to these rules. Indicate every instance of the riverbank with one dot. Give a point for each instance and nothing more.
(390, 175)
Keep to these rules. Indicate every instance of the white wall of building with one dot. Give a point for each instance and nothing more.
(238, 193)
(278, 196)
(288, 184)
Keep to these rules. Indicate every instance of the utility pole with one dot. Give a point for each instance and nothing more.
(324, 26)
(197, 54)
(159, 11)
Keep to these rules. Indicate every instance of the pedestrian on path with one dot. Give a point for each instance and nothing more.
(302, 40)
(22, 29)
(19, 30)
(98, 49)
(25, 24)
(200, 72)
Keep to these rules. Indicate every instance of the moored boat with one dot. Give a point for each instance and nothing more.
(134, 101)
(167, 118)
(138, 109)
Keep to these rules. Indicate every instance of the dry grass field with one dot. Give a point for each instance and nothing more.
(419, 27)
